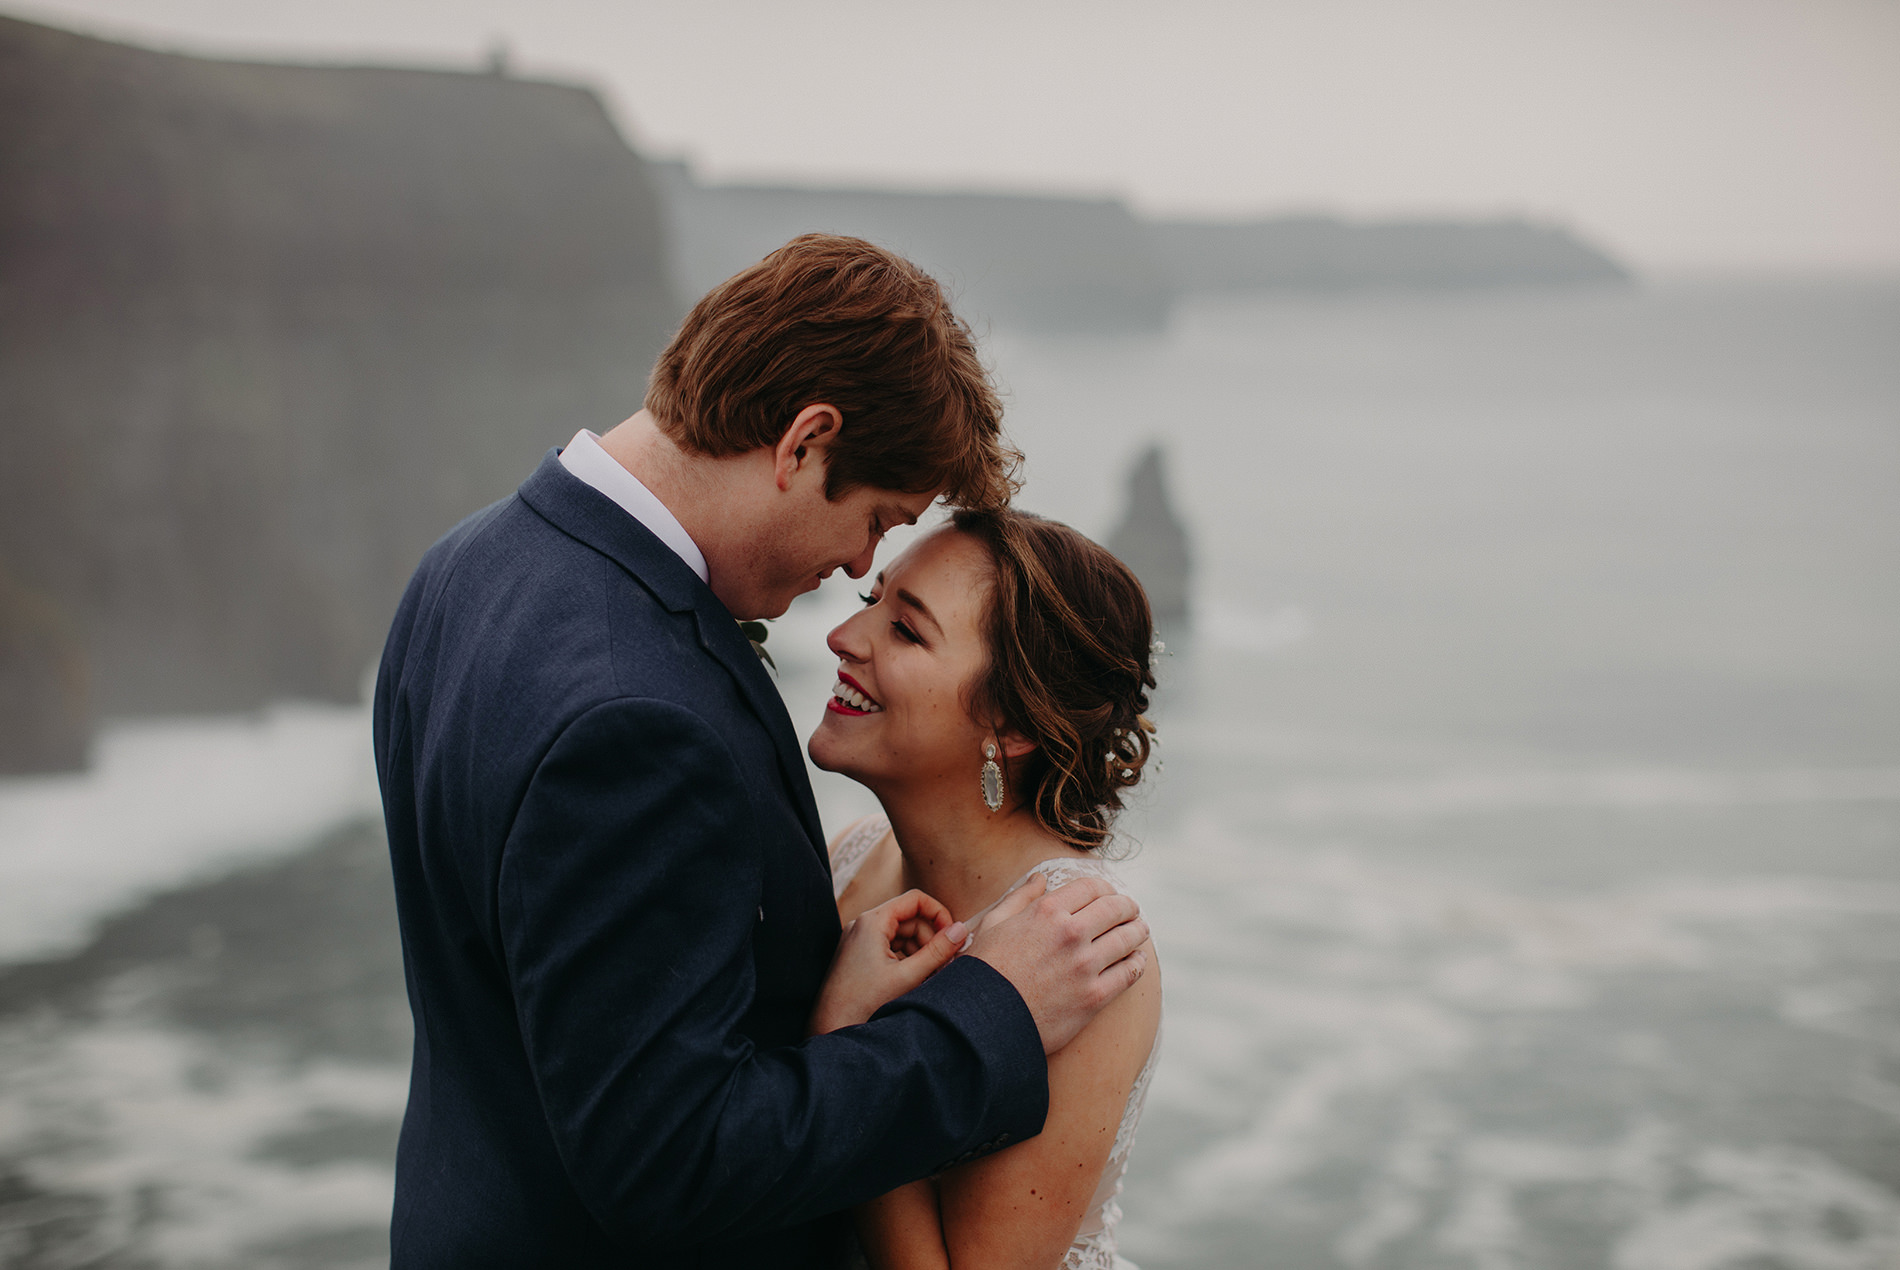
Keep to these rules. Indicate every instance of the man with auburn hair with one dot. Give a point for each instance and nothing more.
(640, 1039)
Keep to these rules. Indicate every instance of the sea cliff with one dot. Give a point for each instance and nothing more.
(265, 333)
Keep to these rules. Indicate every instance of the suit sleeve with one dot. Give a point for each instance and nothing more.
(627, 898)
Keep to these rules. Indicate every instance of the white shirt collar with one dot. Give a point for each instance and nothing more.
(586, 460)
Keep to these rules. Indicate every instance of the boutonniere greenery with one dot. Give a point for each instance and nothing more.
(755, 633)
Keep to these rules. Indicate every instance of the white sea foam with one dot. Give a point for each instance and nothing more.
(1460, 1197)
(1767, 1206)
(127, 1110)
(169, 800)
(1326, 1009)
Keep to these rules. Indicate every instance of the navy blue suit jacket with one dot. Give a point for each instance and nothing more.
(616, 914)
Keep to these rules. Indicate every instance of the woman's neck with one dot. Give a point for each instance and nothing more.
(960, 852)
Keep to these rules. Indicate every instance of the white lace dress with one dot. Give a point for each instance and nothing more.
(1094, 1246)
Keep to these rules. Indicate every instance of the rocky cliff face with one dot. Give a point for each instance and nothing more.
(265, 333)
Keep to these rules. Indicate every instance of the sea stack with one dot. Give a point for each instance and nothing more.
(1152, 541)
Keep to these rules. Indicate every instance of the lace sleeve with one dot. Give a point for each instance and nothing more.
(853, 847)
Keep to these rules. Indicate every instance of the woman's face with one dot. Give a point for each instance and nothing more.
(898, 714)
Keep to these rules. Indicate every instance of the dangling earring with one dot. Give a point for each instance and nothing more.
(992, 778)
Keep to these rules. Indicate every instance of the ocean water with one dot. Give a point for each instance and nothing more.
(1525, 864)
(1525, 859)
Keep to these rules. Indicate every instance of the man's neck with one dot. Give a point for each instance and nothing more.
(702, 492)
(639, 445)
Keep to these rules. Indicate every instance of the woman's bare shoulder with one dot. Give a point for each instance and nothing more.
(1125, 1030)
(1024, 1205)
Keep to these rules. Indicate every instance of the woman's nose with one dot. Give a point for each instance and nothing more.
(847, 638)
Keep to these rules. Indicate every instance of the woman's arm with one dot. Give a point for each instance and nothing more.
(903, 1230)
(1019, 1209)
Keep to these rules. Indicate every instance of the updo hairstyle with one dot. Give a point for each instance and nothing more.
(1070, 640)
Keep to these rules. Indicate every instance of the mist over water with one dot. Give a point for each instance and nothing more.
(1525, 864)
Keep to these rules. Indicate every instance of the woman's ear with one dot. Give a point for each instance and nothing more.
(1015, 745)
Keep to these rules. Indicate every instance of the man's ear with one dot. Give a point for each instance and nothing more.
(803, 446)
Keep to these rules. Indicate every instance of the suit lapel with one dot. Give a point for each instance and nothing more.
(721, 636)
(590, 516)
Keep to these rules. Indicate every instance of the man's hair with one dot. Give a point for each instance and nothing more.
(827, 319)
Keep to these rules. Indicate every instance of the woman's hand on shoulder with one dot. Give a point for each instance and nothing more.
(885, 952)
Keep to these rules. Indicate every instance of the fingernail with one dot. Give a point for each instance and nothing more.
(957, 932)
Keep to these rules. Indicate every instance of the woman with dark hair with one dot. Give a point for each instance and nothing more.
(992, 695)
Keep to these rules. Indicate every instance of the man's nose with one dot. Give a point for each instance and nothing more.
(862, 565)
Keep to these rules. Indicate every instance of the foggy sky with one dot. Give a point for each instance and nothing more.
(1682, 134)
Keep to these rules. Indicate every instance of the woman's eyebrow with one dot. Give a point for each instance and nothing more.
(910, 599)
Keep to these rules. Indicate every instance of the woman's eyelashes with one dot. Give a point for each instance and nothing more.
(903, 628)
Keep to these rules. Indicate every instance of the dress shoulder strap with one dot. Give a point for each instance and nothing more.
(1066, 869)
(853, 848)
(1060, 871)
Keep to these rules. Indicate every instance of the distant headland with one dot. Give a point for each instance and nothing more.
(1093, 264)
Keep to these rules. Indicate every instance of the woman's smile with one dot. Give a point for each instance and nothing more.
(849, 697)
